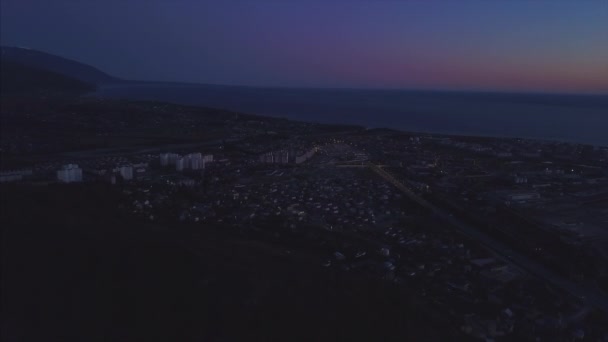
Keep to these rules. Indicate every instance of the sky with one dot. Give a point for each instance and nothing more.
(518, 45)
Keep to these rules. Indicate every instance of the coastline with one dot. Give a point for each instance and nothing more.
(423, 121)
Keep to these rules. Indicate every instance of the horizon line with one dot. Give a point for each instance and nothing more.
(371, 88)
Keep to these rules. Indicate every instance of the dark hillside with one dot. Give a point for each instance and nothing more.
(75, 269)
(17, 78)
(42, 60)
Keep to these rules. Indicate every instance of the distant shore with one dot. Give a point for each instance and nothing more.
(577, 119)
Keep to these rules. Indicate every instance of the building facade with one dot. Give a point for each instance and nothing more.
(70, 173)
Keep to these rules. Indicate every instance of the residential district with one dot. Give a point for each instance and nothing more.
(504, 238)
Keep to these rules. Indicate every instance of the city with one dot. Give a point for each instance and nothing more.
(303, 171)
(439, 216)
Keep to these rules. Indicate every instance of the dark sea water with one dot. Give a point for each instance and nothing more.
(572, 118)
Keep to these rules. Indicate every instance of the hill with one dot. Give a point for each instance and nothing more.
(42, 60)
(16, 78)
(93, 274)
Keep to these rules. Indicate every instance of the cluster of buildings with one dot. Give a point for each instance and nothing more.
(14, 175)
(192, 161)
(106, 169)
(275, 157)
(124, 171)
(73, 173)
(305, 156)
(295, 195)
(69, 173)
(285, 157)
(357, 222)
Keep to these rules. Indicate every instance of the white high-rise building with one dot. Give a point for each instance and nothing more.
(181, 164)
(283, 157)
(196, 161)
(70, 173)
(126, 172)
(197, 164)
(164, 159)
(187, 162)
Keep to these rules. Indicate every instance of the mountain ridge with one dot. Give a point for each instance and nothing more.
(17, 78)
(56, 64)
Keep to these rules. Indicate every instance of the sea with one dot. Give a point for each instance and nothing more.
(567, 118)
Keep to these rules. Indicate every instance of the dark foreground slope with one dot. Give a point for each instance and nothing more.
(75, 269)
(18, 79)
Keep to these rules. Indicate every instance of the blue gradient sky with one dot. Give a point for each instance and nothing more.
(516, 45)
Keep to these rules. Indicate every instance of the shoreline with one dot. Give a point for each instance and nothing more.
(458, 133)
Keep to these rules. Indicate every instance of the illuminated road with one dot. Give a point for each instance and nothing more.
(586, 294)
